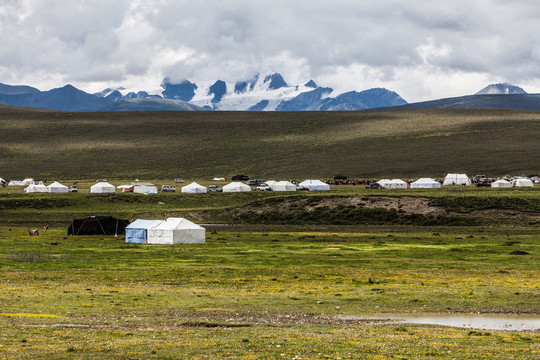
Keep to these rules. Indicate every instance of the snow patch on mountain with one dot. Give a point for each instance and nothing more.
(269, 90)
(501, 89)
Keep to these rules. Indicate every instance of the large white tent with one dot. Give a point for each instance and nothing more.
(56, 187)
(36, 189)
(144, 188)
(137, 231)
(16, 183)
(283, 186)
(194, 188)
(102, 188)
(176, 231)
(523, 183)
(501, 184)
(425, 183)
(314, 185)
(236, 187)
(457, 179)
(384, 183)
(393, 184)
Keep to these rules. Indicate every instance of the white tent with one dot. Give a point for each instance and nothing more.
(501, 184)
(384, 183)
(176, 231)
(271, 183)
(523, 183)
(36, 189)
(102, 188)
(16, 183)
(137, 231)
(145, 189)
(194, 188)
(56, 187)
(392, 184)
(456, 179)
(283, 186)
(314, 185)
(27, 182)
(236, 187)
(398, 184)
(425, 183)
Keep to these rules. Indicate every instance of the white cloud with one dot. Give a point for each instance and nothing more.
(419, 49)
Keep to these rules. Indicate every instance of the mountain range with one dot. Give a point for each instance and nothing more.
(261, 93)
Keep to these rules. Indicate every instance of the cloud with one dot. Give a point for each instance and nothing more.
(420, 49)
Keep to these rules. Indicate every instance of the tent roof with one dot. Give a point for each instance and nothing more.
(312, 182)
(144, 224)
(193, 185)
(177, 223)
(283, 182)
(57, 184)
(102, 183)
(425, 180)
(237, 184)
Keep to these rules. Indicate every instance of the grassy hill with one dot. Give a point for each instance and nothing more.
(405, 143)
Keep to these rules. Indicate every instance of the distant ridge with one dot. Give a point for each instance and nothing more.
(151, 104)
(509, 102)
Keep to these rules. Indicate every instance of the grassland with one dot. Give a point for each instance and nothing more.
(263, 295)
(412, 143)
(281, 275)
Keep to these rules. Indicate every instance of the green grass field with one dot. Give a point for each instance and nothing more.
(415, 143)
(263, 295)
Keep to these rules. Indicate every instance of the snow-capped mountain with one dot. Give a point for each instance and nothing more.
(262, 93)
(273, 93)
(268, 92)
(501, 89)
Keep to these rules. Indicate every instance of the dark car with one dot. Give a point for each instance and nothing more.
(240, 178)
(214, 188)
(374, 185)
(483, 184)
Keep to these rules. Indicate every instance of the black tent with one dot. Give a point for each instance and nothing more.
(98, 225)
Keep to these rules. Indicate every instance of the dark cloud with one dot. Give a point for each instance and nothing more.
(418, 48)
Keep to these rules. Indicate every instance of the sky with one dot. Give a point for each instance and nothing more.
(421, 49)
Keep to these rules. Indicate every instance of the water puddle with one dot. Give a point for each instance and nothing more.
(480, 322)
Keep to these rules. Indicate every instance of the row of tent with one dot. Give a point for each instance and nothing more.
(450, 179)
(55, 187)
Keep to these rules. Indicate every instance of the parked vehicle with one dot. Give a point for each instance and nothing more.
(166, 188)
(374, 185)
(264, 187)
(214, 188)
(178, 180)
(240, 178)
(483, 184)
(254, 182)
(73, 189)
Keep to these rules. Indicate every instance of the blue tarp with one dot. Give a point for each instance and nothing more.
(136, 232)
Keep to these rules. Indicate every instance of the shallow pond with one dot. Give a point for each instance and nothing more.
(481, 322)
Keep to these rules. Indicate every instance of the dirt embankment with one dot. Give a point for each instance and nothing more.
(373, 210)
